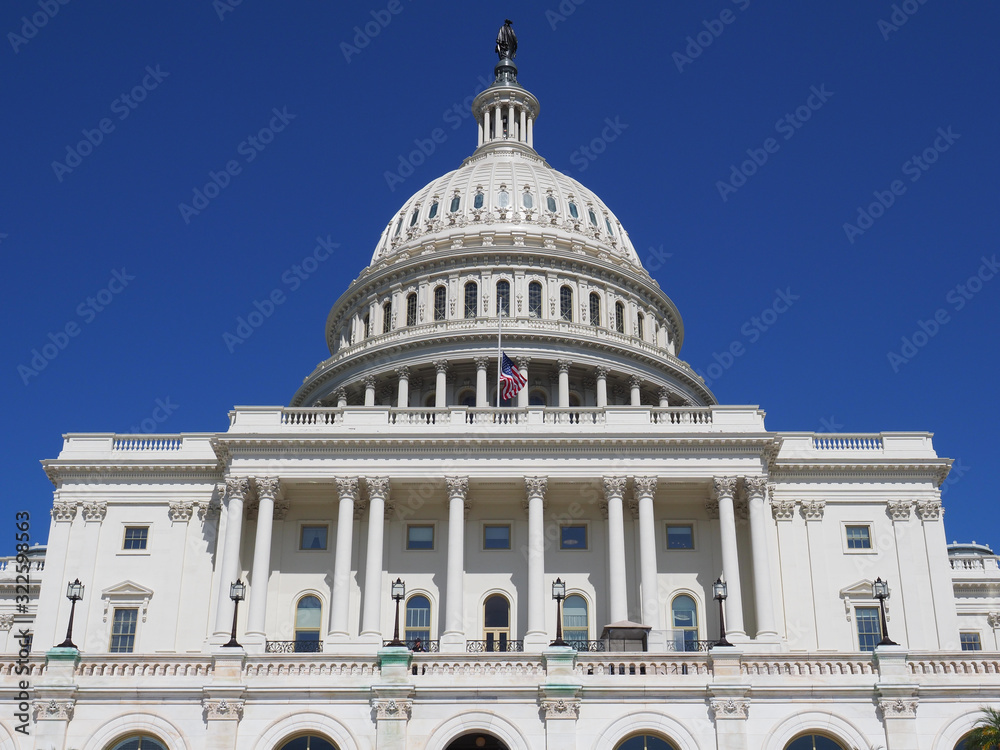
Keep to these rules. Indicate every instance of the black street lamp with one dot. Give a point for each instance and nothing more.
(237, 592)
(721, 591)
(74, 592)
(880, 590)
(558, 593)
(398, 592)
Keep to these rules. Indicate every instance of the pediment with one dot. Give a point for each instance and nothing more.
(127, 589)
(860, 590)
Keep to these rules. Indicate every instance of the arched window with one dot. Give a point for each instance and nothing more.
(139, 742)
(640, 326)
(399, 225)
(595, 309)
(537, 397)
(593, 216)
(496, 621)
(471, 299)
(467, 398)
(308, 742)
(645, 742)
(534, 300)
(434, 210)
(477, 202)
(456, 202)
(413, 216)
(411, 309)
(503, 298)
(619, 317)
(608, 225)
(440, 303)
(386, 316)
(418, 620)
(573, 210)
(503, 199)
(368, 327)
(308, 617)
(527, 200)
(575, 623)
(566, 303)
(813, 742)
(550, 203)
(685, 618)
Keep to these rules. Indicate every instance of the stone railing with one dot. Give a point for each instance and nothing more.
(783, 665)
(847, 443)
(147, 443)
(840, 446)
(313, 665)
(641, 664)
(525, 668)
(984, 563)
(145, 666)
(947, 665)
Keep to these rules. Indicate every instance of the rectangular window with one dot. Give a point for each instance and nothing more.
(971, 642)
(136, 537)
(869, 627)
(858, 537)
(496, 536)
(680, 536)
(419, 537)
(573, 537)
(313, 537)
(123, 631)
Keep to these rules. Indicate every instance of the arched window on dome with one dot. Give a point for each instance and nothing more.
(595, 309)
(138, 742)
(527, 199)
(573, 210)
(411, 309)
(684, 614)
(814, 742)
(593, 216)
(608, 225)
(434, 211)
(308, 617)
(386, 316)
(534, 300)
(503, 199)
(456, 203)
(399, 225)
(619, 317)
(471, 299)
(477, 202)
(550, 203)
(440, 302)
(503, 298)
(414, 216)
(566, 303)
(368, 326)
(640, 326)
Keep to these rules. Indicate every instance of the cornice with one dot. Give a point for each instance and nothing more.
(143, 469)
(802, 469)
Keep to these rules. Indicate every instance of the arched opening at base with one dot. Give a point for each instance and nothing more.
(645, 742)
(308, 742)
(477, 741)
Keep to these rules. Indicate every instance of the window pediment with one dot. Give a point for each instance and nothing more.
(124, 594)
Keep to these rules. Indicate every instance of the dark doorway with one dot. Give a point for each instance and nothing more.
(477, 741)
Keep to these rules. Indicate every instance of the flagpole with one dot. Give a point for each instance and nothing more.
(499, 351)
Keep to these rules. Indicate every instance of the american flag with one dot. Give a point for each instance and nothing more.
(511, 377)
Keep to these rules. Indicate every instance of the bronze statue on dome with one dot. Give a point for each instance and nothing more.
(506, 41)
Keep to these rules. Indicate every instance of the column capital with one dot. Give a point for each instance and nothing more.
(755, 486)
(59, 710)
(601, 373)
(898, 510)
(181, 512)
(635, 381)
(712, 508)
(63, 510)
(783, 510)
(95, 511)
(561, 708)
(392, 708)
(482, 363)
(644, 486)
(441, 365)
(368, 381)
(523, 362)
(724, 486)
(729, 708)
(536, 486)
(403, 372)
(929, 510)
(226, 709)
(614, 486)
(378, 487)
(268, 487)
(458, 487)
(898, 708)
(280, 509)
(564, 365)
(237, 487)
(347, 488)
(664, 393)
(812, 510)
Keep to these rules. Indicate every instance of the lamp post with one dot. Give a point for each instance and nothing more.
(74, 592)
(558, 593)
(880, 590)
(398, 592)
(721, 591)
(237, 592)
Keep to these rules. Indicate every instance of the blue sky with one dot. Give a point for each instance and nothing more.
(844, 155)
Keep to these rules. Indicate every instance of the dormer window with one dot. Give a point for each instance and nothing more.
(527, 200)
(593, 216)
(413, 216)
(503, 199)
(573, 210)
(608, 225)
(434, 210)
(550, 203)
(456, 201)
(478, 200)
(399, 225)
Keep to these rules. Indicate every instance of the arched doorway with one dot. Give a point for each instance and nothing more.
(645, 742)
(139, 742)
(496, 622)
(814, 742)
(308, 742)
(477, 741)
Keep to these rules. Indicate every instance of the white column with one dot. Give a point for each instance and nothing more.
(371, 617)
(479, 135)
(267, 490)
(403, 398)
(441, 384)
(614, 489)
(664, 398)
(564, 383)
(756, 491)
(645, 488)
(524, 129)
(531, 134)
(482, 397)
(511, 127)
(341, 600)
(522, 395)
(536, 635)
(497, 122)
(634, 382)
(341, 395)
(237, 489)
(486, 125)
(724, 489)
(602, 386)
(453, 638)
(369, 382)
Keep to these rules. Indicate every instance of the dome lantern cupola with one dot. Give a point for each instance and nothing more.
(505, 112)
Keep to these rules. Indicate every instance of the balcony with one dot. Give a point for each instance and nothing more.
(491, 645)
(294, 647)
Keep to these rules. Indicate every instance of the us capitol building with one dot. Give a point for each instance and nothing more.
(611, 505)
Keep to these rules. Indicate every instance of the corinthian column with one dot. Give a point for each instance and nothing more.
(482, 396)
(601, 373)
(724, 489)
(341, 600)
(237, 491)
(535, 487)
(645, 488)
(756, 488)
(371, 623)
(453, 638)
(267, 490)
(614, 489)
(441, 384)
(403, 394)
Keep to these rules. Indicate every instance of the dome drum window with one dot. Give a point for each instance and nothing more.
(595, 309)
(411, 309)
(471, 299)
(503, 298)
(503, 197)
(566, 303)
(440, 303)
(477, 202)
(534, 300)
(414, 216)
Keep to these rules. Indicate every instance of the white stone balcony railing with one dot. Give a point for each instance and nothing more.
(984, 564)
(839, 446)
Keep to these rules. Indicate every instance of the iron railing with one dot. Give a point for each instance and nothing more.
(677, 645)
(588, 645)
(499, 645)
(294, 647)
(429, 646)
